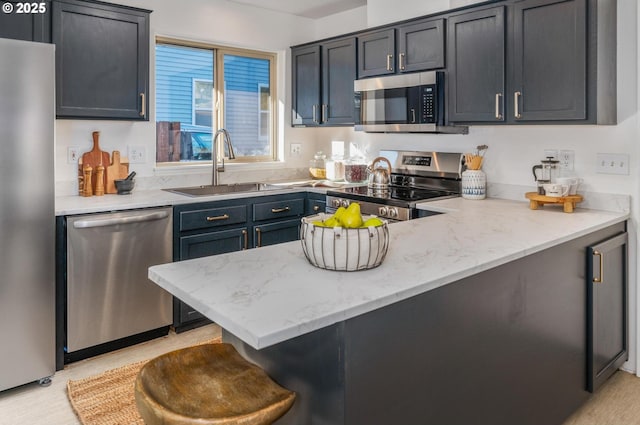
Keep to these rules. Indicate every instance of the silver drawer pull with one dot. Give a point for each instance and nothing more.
(280, 210)
(516, 106)
(600, 278)
(316, 208)
(218, 217)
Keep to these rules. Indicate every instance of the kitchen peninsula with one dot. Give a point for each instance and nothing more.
(484, 306)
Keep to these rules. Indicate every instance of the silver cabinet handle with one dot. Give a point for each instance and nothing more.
(259, 234)
(600, 278)
(280, 210)
(389, 61)
(103, 222)
(516, 101)
(401, 61)
(245, 234)
(143, 109)
(323, 113)
(413, 116)
(314, 117)
(218, 217)
(316, 208)
(498, 98)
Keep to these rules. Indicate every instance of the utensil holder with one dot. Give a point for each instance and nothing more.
(474, 184)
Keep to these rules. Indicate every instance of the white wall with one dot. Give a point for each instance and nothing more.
(380, 12)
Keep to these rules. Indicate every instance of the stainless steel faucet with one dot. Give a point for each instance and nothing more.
(214, 154)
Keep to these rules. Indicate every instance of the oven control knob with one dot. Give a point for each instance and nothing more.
(345, 203)
(336, 202)
(383, 211)
(393, 213)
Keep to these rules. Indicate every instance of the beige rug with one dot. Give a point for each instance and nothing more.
(108, 398)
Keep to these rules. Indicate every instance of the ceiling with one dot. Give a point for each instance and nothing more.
(313, 9)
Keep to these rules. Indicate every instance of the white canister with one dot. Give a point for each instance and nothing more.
(474, 184)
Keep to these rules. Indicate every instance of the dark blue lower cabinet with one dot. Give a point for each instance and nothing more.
(275, 233)
(213, 243)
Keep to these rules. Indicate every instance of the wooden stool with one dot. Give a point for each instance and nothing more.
(208, 384)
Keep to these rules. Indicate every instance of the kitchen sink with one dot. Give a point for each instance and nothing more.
(208, 190)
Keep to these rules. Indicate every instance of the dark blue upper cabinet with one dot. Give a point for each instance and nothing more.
(322, 83)
(476, 64)
(20, 25)
(377, 53)
(102, 60)
(421, 46)
(549, 61)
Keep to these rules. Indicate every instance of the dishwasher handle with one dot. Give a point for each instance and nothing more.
(103, 222)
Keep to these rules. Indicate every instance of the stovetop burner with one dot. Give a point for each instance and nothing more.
(396, 195)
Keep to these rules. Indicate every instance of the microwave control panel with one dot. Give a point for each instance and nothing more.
(428, 100)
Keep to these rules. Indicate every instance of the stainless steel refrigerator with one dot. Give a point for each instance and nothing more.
(27, 214)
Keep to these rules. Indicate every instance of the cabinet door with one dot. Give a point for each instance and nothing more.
(376, 53)
(305, 75)
(476, 61)
(102, 61)
(607, 316)
(213, 243)
(275, 233)
(338, 75)
(549, 61)
(27, 26)
(315, 206)
(421, 46)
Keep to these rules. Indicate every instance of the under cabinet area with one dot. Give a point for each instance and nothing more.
(102, 60)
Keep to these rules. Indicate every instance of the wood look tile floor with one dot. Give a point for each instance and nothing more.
(34, 405)
(617, 403)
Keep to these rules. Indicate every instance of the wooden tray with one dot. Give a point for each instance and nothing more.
(568, 202)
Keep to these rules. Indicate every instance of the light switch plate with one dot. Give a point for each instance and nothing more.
(612, 163)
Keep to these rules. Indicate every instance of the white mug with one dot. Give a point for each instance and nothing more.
(572, 182)
(556, 190)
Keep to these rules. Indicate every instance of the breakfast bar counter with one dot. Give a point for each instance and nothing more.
(468, 307)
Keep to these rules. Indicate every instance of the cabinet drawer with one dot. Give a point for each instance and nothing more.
(278, 209)
(212, 217)
(213, 243)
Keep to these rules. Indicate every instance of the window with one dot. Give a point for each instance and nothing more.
(201, 89)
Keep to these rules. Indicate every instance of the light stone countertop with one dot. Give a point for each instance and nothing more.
(74, 204)
(268, 295)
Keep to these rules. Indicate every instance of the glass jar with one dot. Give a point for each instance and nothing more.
(335, 168)
(317, 166)
(355, 170)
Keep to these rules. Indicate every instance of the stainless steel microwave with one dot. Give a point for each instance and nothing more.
(409, 103)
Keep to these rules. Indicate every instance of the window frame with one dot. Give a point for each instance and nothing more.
(218, 98)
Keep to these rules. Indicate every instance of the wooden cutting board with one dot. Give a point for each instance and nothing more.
(94, 158)
(119, 169)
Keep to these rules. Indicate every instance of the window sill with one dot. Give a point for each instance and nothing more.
(206, 167)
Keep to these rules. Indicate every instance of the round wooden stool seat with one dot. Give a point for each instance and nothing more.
(208, 384)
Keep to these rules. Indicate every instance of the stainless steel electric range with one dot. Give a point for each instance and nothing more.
(415, 177)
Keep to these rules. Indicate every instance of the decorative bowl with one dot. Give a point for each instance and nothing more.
(343, 249)
(124, 187)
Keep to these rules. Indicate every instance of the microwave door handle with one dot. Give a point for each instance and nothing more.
(413, 116)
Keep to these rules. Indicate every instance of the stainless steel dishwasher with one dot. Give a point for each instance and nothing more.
(108, 293)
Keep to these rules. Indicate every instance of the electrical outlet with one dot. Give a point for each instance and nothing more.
(566, 160)
(551, 153)
(73, 152)
(612, 163)
(296, 149)
(137, 154)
